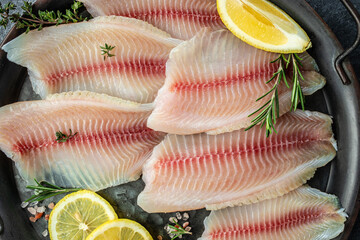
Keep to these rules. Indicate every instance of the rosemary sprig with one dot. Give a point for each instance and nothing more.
(178, 230)
(44, 190)
(297, 94)
(62, 137)
(105, 50)
(269, 112)
(37, 20)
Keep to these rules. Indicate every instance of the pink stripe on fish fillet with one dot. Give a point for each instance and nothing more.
(231, 79)
(23, 148)
(201, 17)
(150, 67)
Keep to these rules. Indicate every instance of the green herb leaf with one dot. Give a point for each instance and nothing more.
(178, 231)
(105, 50)
(30, 20)
(62, 137)
(270, 110)
(44, 190)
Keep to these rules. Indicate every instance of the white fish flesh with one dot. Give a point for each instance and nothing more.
(69, 58)
(213, 81)
(181, 18)
(110, 147)
(305, 213)
(216, 171)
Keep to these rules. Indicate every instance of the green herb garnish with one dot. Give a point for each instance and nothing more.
(37, 20)
(106, 51)
(62, 137)
(269, 112)
(44, 190)
(177, 230)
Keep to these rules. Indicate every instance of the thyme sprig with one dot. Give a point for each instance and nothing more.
(44, 190)
(270, 111)
(62, 137)
(105, 50)
(37, 20)
(178, 230)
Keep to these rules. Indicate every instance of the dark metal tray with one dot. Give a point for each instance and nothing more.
(341, 177)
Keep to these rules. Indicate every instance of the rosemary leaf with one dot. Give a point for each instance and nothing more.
(270, 111)
(44, 190)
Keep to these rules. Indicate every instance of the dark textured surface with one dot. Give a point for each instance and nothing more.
(336, 16)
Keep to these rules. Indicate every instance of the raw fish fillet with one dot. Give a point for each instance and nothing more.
(213, 81)
(181, 18)
(68, 58)
(305, 213)
(110, 147)
(217, 171)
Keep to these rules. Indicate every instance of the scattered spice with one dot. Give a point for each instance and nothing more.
(33, 203)
(173, 220)
(45, 233)
(39, 215)
(41, 209)
(177, 231)
(32, 219)
(178, 215)
(24, 204)
(38, 212)
(31, 210)
(51, 205)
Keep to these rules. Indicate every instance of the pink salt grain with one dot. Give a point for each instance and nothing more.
(31, 210)
(51, 205)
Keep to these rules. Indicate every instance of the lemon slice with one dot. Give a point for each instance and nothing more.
(78, 214)
(120, 229)
(263, 25)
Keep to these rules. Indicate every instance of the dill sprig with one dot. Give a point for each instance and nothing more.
(44, 190)
(37, 20)
(105, 50)
(62, 137)
(270, 111)
(178, 230)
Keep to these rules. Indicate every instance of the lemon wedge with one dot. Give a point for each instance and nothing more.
(78, 214)
(263, 25)
(120, 229)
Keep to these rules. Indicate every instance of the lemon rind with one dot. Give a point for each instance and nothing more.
(122, 222)
(73, 196)
(297, 43)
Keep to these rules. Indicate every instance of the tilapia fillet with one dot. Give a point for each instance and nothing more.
(181, 18)
(216, 171)
(305, 213)
(68, 58)
(213, 81)
(110, 147)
